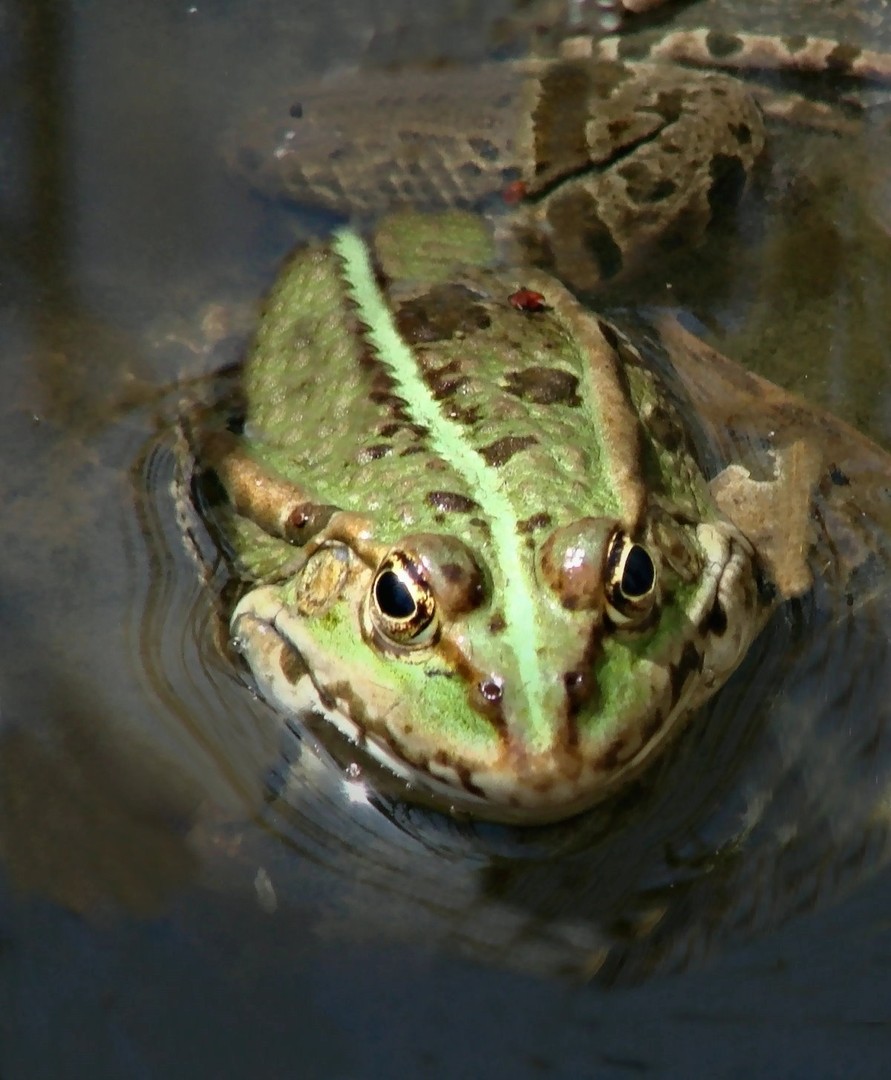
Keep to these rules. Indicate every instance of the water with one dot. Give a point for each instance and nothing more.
(185, 888)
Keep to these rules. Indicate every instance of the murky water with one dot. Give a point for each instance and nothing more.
(187, 889)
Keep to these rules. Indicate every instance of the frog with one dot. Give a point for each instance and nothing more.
(505, 545)
(817, 67)
(836, 58)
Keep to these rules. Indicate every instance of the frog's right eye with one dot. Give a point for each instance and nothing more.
(403, 607)
(631, 581)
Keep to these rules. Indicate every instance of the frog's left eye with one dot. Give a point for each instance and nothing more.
(630, 581)
(403, 607)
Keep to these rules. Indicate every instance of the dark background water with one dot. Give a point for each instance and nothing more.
(174, 898)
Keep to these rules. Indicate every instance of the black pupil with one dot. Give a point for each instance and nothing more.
(393, 598)
(638, 573)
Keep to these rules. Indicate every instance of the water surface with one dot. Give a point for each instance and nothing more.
(187, 888)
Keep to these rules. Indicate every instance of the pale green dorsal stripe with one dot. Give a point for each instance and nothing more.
(449, 441)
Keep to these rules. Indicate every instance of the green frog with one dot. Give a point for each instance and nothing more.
(505, 545)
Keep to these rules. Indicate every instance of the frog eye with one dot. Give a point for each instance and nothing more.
(403, 607)
(630, 581)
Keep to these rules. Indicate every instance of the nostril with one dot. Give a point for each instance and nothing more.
(581, 688)
(492, 690)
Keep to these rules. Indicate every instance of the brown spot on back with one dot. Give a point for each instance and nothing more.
(502, 450)
(382, 390)
(617, 129)
(464, 414)
(445, 388)
(373, 453)
(391, 428)
(497, 623)
(395, 405)
(544, 386)
(536, 521)
(440, 314)
(450, 502)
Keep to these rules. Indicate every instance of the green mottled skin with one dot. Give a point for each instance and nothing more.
(328, 412)
(310, 304)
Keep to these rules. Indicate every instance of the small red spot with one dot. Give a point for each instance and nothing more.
(527, 300)
(514, 192)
